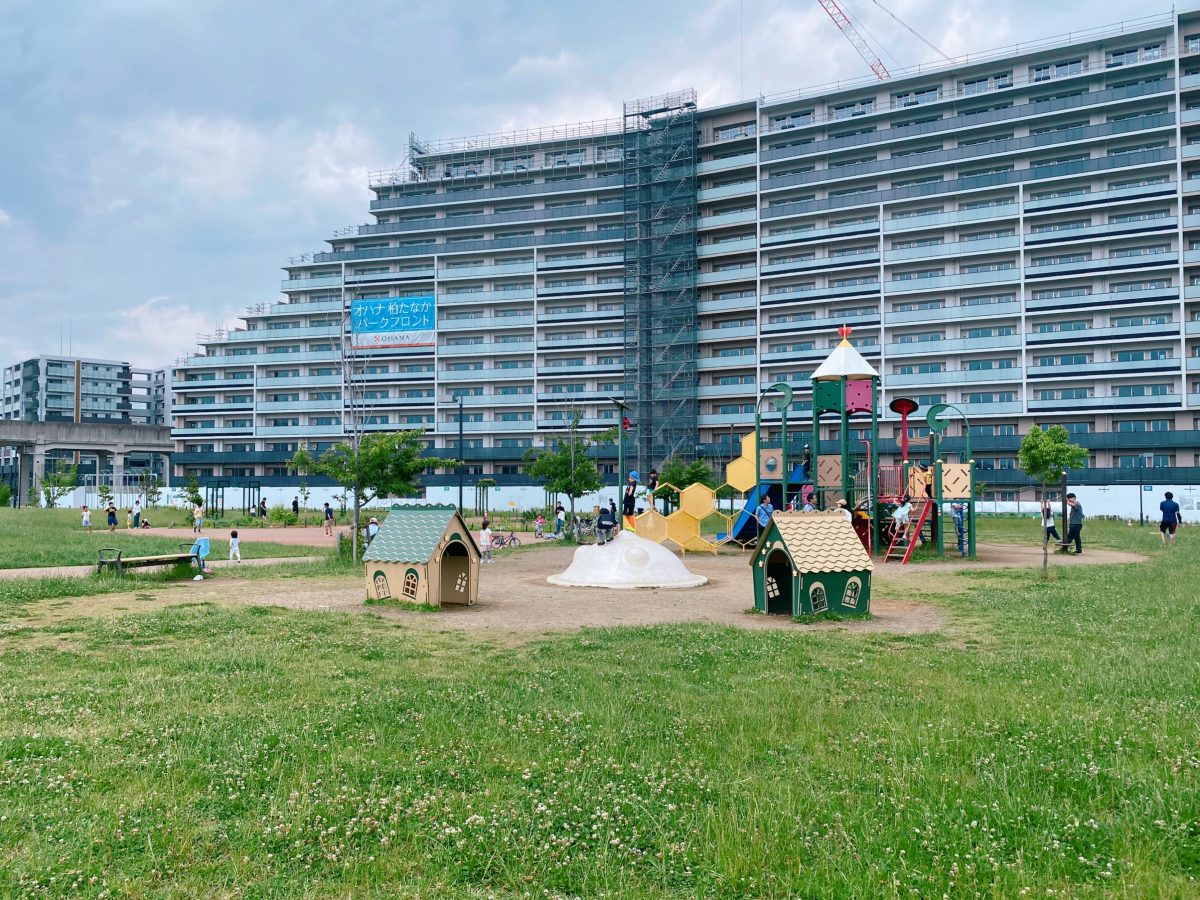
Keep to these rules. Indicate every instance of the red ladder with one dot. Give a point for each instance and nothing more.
(905, 538)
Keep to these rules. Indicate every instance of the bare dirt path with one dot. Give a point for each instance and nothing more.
(78, 571)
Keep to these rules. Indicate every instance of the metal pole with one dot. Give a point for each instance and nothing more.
(783, 457)
(461, 461)
(1141, 491)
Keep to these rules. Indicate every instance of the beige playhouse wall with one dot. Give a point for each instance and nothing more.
(394, 574)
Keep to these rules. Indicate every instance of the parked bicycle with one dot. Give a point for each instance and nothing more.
(505, 540)
(583, 527)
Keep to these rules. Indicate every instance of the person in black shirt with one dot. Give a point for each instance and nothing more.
(606, 521)
(651, 487)
(629, 500)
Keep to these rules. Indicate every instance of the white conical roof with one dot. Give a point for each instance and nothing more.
(844, 362)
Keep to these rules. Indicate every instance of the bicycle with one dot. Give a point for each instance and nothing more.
(508, 540)
(583, 527)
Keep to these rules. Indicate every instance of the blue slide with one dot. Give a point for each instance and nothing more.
(744, 528)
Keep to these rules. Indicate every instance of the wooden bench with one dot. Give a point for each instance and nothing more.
(116, 559)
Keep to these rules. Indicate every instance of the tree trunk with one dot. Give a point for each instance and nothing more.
(1045, 538)
(354, 529)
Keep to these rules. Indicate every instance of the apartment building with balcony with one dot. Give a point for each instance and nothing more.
(1018, 235)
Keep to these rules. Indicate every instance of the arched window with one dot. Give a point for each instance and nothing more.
(410, 584)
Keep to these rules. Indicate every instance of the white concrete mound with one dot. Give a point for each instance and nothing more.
(627, 561)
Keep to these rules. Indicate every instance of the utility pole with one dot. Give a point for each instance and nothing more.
(458, 396)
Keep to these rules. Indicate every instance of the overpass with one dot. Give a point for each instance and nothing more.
(33, 440)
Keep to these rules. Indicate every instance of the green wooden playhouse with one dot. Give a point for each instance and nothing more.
(810, 563)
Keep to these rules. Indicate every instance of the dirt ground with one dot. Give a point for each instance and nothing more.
(515, 598)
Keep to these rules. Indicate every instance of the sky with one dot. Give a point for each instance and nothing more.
(161, 159)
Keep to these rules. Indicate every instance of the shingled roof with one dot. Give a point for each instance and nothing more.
(818, 542)
(411, 534)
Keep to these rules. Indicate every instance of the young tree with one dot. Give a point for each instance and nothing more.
(191, 490)
(305, 493)
(152, 490)
(104, 493)
(1046, 457)
(679, 474)
(564, 465)
(385, 464)
(57, 483)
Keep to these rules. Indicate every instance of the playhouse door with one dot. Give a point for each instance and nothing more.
(780, 584)
(456, 584)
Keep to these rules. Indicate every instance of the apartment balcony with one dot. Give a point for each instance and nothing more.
(958, 248)
(816, 353)
(476, 376)
(741, 245)
(953, 345)
(729, 162)
(954, 313)
(958, 376)
(742, 188)
(721, 363)
(585, 263)
(1192, 326)
(1000, 408)
(956, 217)
(1158, 401)
(305, 431)
(581, 210)
(564, 424)
(498, 270)
(1188, 82)
(1107, 264)
(284, 334)
(1111, 229)
(207, 409)
(1191, 257)
(1115, 298)
(726, 390)
(407, 274)
(949, 282)
(727, 334)
(467, 298)
(311, 284)
(485, 349)
(846, 261)
(822, 234)
(818, 323)
(297, 307)
(741, 273)
(1090, 335)
(281, 359)
(550, 344)
(578, 290)
(587, 315)
(1107, 368)
(717, 419)
(575, 397)
(215, 384)
(580, 371)
(1091, 198)
(728, 303)
(300, 405)
(721, 220)
(817, 293)
(446, 326)
(487, 400)
(211, 432)
(499, 191)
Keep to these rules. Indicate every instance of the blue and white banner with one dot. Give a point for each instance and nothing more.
(393, 322)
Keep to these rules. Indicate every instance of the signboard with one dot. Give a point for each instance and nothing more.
(393, 322)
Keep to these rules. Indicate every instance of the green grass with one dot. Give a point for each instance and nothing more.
(52, 537)
(1048, 742)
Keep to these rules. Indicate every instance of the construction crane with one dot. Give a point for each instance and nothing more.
(842, 21)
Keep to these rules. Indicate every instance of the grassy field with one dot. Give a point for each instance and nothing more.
(52, 537)
(1047, 743)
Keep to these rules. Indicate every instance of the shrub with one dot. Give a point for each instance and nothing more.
(5, 495)
(281, 515)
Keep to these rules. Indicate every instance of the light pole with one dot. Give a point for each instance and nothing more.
(621, 410)
(459, 397)
(1143, 459)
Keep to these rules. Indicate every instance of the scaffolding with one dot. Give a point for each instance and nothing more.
(660, 276)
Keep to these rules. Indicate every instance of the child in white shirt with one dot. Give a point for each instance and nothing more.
(485, 541)
(235, 547)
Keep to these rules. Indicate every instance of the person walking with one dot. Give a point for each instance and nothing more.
(262, 508)
(328, 519)
(112, 517)
(1171, 519)
(137, 513)
(560, 520)
(1048, 528)
(485, 541)
(87, 519)
(296, 508)
(235, 547)
(197, 518)
(1075, 519)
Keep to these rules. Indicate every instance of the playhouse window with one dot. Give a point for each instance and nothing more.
(410, 585)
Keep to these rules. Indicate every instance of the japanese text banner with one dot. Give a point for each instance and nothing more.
(393, 322)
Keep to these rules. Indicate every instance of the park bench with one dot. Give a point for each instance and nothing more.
(116, 559)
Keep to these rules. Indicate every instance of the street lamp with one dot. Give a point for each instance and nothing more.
(621, 410)
(1144, 459)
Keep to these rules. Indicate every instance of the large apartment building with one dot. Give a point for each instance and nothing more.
(1018, 236)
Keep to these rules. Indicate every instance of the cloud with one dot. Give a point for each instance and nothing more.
(170, 328)
(5, 218)
(542, 65)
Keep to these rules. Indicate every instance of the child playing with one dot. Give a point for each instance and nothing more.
(539, 526)
(485, 541)
(235, 547)
(87, 519)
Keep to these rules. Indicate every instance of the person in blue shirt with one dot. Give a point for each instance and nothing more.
(764, 511)
(1171, 519)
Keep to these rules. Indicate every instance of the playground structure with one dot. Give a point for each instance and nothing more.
(847, 387)
(424, 555)
(807, 564)
(628, 561)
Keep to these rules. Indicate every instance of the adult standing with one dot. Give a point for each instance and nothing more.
(1171, 518)
(137, 513)
(1075, 519)
(262, 507)
(764, 512)
(296, 508)
(328, 519)
(560, 519)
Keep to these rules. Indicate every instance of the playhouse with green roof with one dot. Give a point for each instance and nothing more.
(425, 555)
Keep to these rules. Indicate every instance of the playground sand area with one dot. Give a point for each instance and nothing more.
(514, 597)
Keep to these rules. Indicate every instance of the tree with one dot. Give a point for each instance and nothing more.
(105, 494)
(385, 464)
(564, 466)
(1046, 457)
(305, 493)
(676, 473)
(57, 483)
(191, 490)
(152, 490)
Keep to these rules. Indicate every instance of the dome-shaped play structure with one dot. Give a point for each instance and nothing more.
(627, 561)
